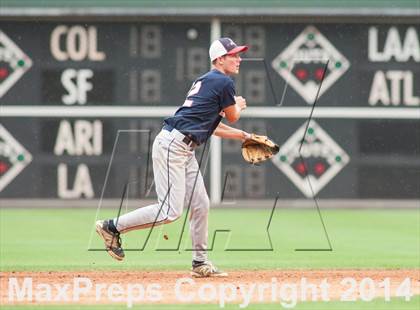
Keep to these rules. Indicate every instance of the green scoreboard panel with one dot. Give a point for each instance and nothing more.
(364, 143)
(104, 63)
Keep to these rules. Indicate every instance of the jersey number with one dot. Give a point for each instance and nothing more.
(194, 90)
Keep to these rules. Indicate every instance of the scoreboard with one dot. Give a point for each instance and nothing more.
(82, 101)
(107, 63)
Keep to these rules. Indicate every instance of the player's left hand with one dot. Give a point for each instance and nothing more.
(258, 148)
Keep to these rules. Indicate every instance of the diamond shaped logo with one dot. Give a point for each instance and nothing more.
(13, 63)
(13, 157)
(302, 64)
(319, 160)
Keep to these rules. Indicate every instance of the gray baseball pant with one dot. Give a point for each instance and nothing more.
(177, 176)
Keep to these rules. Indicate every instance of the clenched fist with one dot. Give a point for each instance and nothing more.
(241, 102)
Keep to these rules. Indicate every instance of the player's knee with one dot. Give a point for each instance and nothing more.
(174, 212)
(204, 206)
(172, 217)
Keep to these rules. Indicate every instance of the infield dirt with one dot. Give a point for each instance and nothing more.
(167, 282)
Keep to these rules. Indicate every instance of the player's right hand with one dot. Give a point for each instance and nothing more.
(241, 102)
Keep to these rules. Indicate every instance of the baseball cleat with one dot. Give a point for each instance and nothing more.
(112, 240)
(207, 269)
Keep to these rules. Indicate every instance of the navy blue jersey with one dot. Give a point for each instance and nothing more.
(200, 114)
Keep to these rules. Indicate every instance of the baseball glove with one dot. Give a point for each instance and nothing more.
(258, 148)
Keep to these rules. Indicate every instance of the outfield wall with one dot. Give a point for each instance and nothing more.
(82, 98)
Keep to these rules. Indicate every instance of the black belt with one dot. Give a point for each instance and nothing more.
(188, 140)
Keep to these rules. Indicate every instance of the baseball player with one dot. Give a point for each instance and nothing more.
(176, 172)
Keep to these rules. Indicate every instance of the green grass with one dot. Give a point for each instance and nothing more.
(59, 239)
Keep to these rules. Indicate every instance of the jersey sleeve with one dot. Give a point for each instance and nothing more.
(228, 94)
